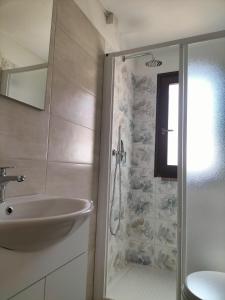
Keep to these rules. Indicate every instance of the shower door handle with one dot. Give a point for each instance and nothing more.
(164, 130)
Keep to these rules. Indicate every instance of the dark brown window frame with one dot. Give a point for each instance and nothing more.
(161, 140)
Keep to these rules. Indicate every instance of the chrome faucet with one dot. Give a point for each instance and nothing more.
(4, 179)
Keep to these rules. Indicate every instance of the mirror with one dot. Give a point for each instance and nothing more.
(25, 27)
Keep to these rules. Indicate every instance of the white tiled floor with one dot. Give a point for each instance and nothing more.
(143, 283)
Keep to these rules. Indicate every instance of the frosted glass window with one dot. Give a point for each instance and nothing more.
(172, 143)
(205, 187)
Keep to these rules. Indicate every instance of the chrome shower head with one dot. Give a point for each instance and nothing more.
(150, 63)
(153, 63)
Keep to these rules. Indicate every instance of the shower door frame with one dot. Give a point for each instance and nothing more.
(105, 159)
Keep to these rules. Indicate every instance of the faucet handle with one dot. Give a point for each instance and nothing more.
(3, 170)
(21, 178)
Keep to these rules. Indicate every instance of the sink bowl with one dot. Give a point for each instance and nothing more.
(33, 223)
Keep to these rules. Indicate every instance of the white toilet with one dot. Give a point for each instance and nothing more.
(204, 285)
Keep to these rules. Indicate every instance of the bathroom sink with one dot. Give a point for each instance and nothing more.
(33, 223)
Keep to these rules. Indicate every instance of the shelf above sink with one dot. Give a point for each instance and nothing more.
(36, 222)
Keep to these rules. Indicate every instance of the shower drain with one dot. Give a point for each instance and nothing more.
(9, 210)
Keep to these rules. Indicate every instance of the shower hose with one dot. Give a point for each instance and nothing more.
(117, 169)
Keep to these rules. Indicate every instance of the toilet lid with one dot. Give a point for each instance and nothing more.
(205, 285)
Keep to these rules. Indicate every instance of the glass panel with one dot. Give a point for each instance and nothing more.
(172, 147)
(206, 156)
(134, 252)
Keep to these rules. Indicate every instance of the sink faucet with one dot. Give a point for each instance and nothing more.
(4, 179)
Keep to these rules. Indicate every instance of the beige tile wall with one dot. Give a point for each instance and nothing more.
(58, 148)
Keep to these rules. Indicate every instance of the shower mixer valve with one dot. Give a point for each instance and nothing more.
(120, 154)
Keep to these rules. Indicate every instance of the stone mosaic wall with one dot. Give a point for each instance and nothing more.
(122, 116)
(149, 205)
(152, 201)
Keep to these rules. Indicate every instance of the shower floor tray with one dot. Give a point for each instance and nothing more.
(143, 283)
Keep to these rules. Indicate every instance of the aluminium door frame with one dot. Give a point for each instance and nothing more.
(105, 159)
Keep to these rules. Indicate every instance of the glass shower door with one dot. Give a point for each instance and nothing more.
(205, 187)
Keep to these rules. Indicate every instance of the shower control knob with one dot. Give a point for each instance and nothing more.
(114, 152)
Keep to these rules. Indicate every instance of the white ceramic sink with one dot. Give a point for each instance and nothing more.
(38, 222)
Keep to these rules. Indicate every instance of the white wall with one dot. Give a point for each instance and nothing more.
(94, 11)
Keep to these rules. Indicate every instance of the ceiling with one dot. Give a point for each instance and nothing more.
(144, 22)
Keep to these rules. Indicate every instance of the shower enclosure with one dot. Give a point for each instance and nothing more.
(165, 225)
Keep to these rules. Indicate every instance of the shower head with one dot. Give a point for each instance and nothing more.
(153, 63)
(150, 63)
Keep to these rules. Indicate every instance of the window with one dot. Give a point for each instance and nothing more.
(166, 145)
